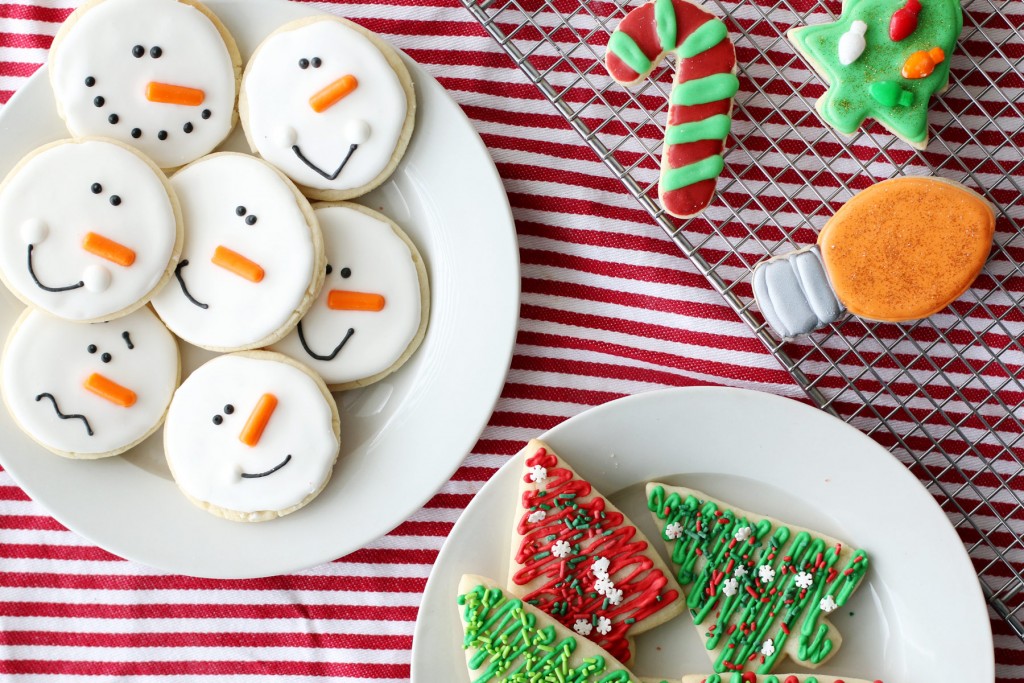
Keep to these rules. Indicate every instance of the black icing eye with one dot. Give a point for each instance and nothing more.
(229, 409)
(303, 63)
(106, 358)
(155, 52)
(251, 220)
(217, 419)
(136, 133)
(162, 135)
(96, 188)
(138, 51)
(91, 348)
(239, 210)
(329, 269)
(89, 81)
(187, 127)
(115, 200)
(207, 114)
(316, 62)
(346, 273)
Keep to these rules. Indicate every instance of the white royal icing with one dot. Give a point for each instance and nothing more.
(50, 356)
(208, 459)
(280, 116)
(192, 53)
(49, 203)
(220, 197)
(378, 261)
(852, 43)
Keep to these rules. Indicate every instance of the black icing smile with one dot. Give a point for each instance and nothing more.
(287, 459)
(63, 416)
(329, 176)
(333, 354)
(40, 285)
(184, 287)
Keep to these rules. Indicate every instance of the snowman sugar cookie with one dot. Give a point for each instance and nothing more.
(253, 260)
(330, 104)
(373, 310)
(89, 391)
(160, 75)
(252, 436)
(89, 229)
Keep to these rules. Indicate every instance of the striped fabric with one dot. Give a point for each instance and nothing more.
(610, 308)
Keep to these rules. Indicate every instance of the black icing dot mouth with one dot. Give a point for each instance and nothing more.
(136, 133)
(99, 101)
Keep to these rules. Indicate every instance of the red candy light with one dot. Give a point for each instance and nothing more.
(904, 20)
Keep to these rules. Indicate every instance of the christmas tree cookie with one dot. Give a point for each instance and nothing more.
(758, 589)
(883, 59)
(748, 677)
(576, 557)
(508, 641)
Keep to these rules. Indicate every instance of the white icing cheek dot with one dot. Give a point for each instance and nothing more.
(285, 136)
(231, 474)
(357, 131)
(96, 278)
(34, 231)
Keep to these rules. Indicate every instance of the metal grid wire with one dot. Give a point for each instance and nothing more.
(945, 394)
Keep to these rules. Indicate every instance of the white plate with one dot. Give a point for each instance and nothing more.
(918, 618)
(402, 438)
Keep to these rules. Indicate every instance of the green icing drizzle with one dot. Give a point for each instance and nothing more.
(848, 100)
(625, 48)
(705, 169)
(759, 609)
(511, 648)
(704, 90)
(665, 21)
(712, 128)
(707, 35)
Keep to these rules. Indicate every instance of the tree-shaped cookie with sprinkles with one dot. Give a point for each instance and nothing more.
(508, 641)
(748, 677)
(759, 590)
(576, 557)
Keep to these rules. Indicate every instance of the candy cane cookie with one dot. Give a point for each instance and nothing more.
(700, 106)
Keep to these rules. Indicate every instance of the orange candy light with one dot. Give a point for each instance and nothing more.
(341, 300)
(104, 247)
(107, 388)
(921, 64)
(237, 264)
(258, 419)
(165, 93)
(333, 93)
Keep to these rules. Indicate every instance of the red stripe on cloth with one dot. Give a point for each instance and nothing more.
(25, 40)
(34, 13)
(155, 582)
(333, 641)
(295, 610)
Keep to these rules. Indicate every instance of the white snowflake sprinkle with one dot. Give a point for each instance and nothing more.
(766, 573)
(582, 627)
(768, 648)
(600, 566)
(743, 533)
(560, 549)
(827, 604)
(729, 587)
(538, 473)
(804, 580)
(604, 625)
(673, 531)
(740, 572)
(536, 516)
(603, 585)
(614, 596)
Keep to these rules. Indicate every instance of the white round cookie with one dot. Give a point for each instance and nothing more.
(373, 266)
(160, 75)
(89, 391)
(89, 229)
(239, 204)
(289, 423)
(330, 104)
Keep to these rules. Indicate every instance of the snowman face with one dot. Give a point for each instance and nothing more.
(369, 309)
(249, 256)
(87, 230)
(155, 74)
(324, 105)
(89, 390)
(250, 434)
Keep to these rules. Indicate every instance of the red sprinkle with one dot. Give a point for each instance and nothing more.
(785, 629)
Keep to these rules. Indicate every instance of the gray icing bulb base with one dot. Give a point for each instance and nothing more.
(794, 294)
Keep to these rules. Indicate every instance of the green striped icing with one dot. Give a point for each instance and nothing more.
(665, 20)
(707, 35)
(704, 90)
(712, 128)
(705, 169)
(626, 49)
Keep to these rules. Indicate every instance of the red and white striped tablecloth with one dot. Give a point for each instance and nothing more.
(609, 308)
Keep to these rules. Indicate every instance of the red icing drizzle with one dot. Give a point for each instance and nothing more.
(633, 573)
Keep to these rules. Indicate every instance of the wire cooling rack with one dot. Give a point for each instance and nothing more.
(946, 394)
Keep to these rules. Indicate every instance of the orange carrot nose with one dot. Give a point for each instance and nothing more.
(332, 94)
(258, 419)
(237, 264)
(104, 387)
(104, 247)
(165, 93)
(340, 300)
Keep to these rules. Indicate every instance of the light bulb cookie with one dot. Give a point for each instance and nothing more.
(252, 436)
(160, 75)
(89, 229)
(89, 391)
(373, 310)
(253, 260)
(899, 251)
(330, 104)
